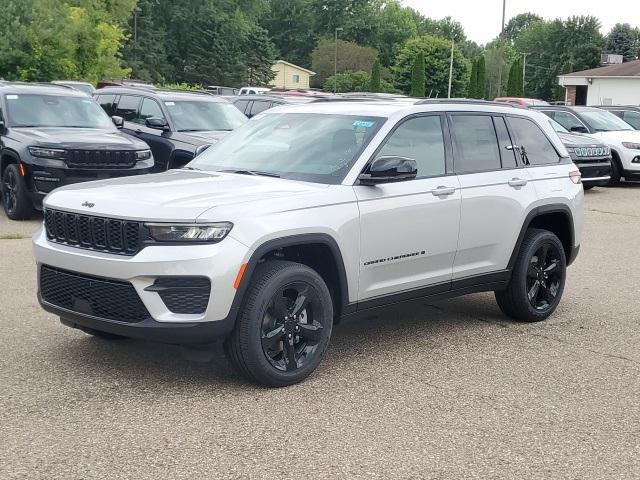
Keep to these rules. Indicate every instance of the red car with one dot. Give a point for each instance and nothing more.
(524, 102)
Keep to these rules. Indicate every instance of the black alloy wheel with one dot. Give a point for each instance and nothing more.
(290, 332)
(544, 277)
(15, 200)
(9, 188)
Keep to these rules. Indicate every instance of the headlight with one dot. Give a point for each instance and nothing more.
(631, 145)
(47, 152)
(201, 149)
(143, 155)
(206, 233)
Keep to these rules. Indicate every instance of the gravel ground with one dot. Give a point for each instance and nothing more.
(447, 390)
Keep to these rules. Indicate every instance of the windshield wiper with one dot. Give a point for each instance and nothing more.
(253, 172)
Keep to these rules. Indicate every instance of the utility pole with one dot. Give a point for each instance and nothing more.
(335, 59)
(504, 11)
(135, 34)
(524, 70)
(451, 68)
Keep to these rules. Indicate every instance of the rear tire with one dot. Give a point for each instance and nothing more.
(15, 200)
(537, 280)
(284, 325)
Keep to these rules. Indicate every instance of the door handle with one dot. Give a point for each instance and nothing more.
(443, 191)
(518, 182)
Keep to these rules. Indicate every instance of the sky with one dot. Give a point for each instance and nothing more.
(481, 18)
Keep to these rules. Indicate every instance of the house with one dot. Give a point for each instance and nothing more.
(289, 75)
(617, 84)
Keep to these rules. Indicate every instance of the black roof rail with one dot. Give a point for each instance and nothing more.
(462, 101)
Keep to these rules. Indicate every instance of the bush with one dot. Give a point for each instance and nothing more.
(355, 82)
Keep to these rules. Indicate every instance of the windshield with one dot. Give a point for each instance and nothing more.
(55, 111)
(203, 116)
(557, 127)
(88, 89)
(602, 121)
(310, 147)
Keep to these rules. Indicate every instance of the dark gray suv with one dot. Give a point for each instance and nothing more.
(54, 135)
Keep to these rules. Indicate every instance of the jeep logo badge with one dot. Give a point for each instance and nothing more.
(88, 204)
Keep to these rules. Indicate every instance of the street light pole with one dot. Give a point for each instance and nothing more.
(451, 67)
(504, 11)
(524, 70)
(335, 59)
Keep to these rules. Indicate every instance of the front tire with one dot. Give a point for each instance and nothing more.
(615, 173)
(537, 280)
(284, 325)
(15, 200)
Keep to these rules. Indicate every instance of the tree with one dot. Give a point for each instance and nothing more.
(473, 80)
(290, 25)
(351, 58)
(397, 24)
(355, 82)
(482, 79)
(417, 76)
(357, 18)
(518, 23)
(259, 57)
(623, 40)
(375, 76)
(515, 82)
(437, 52)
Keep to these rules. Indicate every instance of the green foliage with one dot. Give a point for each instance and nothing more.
(514, 84)
(351, 58)
(355, 82)
(437, 52)
(417, 76)
(179, 86)
(518, 23)
(497, 53)
(481, 80)
(397, 24)
(473, 80)
(291, 28)
(375, 77)
(623, 40)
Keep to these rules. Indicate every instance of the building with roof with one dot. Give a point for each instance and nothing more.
(617, 84)
(290, 76)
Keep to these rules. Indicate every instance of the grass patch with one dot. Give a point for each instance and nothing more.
(12, 236)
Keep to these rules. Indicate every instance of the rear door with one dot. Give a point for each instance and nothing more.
(495, 194)
(409, 229)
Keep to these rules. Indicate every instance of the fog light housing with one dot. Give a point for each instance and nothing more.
(636, 160)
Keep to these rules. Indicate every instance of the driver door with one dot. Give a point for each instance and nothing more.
(409, 229)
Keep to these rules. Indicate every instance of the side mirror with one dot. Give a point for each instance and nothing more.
(157, 123)
(389, 169)
(117, 121)
(579, 129)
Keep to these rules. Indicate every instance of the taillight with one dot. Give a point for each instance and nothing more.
(576, 177)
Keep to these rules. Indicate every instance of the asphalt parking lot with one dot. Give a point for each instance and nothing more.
(449, 390)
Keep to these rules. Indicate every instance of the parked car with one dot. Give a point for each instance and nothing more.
(252, 105)
(523, 102)
(606, 127)
(177, 125)
(253, 90)
(217, 90)
(124, 82)
(313, 213)
(52, 136)
(591, 156)
(84, 87)
(629, 114)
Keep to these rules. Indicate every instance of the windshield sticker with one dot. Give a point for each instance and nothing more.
(170, 104)
(362, 123)
(12, 97)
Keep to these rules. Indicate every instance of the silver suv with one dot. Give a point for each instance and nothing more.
(309, 214)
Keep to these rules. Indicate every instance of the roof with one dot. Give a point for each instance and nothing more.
(296, 66)
(627, 69)
(161, 93)
(39, 88)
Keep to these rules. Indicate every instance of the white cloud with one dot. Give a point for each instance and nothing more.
(481, 18)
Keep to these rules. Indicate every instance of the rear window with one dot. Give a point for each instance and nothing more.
(533, 145)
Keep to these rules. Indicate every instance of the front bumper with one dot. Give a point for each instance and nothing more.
(596, 172)
(218, 262)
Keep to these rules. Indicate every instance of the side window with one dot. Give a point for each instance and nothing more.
(475, 145)
(296, 78)
(507, 152)
(632, 118)
(149, 108)
(534, 146)
(567, 120)
(259, 106)
(242, 105)
(107, 103)
(128, 107)
(421, 139)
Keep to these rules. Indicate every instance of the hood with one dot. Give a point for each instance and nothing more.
(576, 140)
(202, 138)
(619, 136)
(173, 196)
(78, 138)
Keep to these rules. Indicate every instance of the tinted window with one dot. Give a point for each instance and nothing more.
(533, 145)
(107, 103)
(506, 145)
(242, 105)
(475, 145)
(259, 106)
(128, 107)
(633, 119)
(567, 120)
(421, 139)
(203, 115)
(149, 108)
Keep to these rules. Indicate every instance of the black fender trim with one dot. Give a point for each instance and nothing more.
(536, 212)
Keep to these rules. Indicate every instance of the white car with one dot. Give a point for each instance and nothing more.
(606, 127)
(313, 213)
(253, 91)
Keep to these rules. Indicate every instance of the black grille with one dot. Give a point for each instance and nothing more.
(98, 297)
(100, 159)
(123, 237)
(185, 295)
